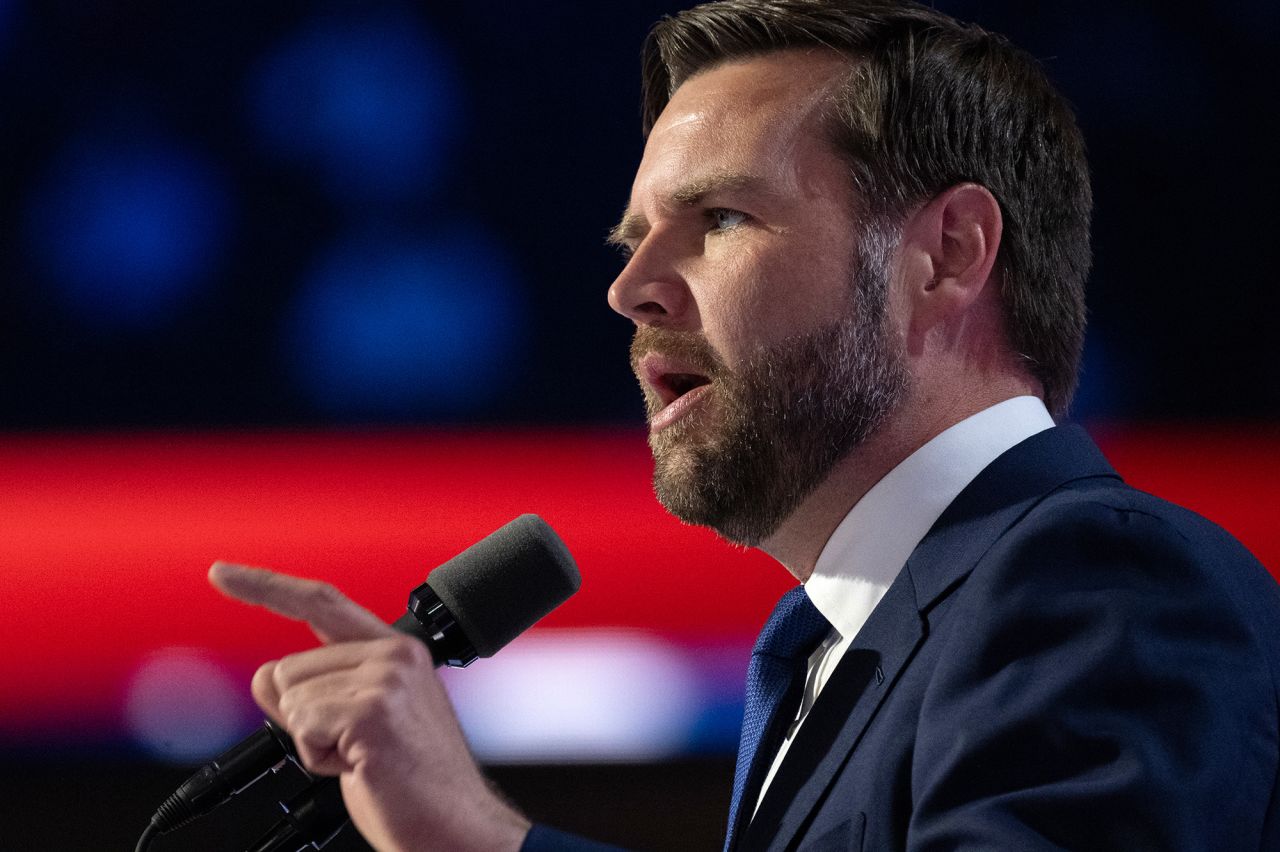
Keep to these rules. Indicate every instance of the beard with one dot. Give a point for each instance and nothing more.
(778, 423)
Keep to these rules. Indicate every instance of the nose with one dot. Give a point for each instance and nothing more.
(650, 291)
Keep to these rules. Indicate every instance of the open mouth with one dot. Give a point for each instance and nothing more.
(672, 386)
(669, 378)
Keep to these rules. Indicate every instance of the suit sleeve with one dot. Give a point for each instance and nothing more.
(543, 838)
(1100, 689)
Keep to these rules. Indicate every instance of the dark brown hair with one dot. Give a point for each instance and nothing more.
(930, 103)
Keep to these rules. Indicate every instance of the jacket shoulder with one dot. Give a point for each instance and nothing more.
(1145, 530)
(1108, 665)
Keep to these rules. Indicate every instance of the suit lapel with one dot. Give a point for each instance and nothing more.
(1005, 491)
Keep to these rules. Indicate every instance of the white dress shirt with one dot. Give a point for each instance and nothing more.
(872, 543)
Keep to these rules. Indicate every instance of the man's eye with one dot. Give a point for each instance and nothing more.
(724, 219)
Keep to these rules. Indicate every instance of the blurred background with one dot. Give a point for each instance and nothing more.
(321, 286)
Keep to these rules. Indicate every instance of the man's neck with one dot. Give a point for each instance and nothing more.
(799, 541)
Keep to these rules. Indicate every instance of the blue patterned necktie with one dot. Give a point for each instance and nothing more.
(778, 662)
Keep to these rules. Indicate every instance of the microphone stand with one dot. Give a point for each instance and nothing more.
(311, 818)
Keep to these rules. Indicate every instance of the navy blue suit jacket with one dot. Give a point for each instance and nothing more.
(1064, 663)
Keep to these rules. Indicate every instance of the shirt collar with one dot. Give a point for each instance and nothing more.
(872, 543)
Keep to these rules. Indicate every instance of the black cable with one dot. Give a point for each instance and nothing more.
(147, 836)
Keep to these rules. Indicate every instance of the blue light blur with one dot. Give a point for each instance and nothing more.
(184, 706)
(407, 328)
(368, 102)
(128, 231)
(8, 12)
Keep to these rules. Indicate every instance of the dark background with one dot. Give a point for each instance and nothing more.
(244, 215)
(280, 130)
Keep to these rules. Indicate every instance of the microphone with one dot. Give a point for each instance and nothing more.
(471, 606)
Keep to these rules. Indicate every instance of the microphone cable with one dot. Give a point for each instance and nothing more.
(148, 835)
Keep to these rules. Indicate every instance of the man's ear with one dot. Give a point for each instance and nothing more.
(949, 249)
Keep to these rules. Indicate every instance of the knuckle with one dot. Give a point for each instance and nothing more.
(288, 672)
(404, 649)
(302, 727)
(324, 594)
(313, 752)
(379, 674)
(289, 707)
(263, 684)
(390, 679)
(284, 669)
(379, 706)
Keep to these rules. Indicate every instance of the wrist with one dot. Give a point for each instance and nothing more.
(482, 822)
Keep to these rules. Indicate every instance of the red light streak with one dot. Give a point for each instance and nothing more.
(107, 538)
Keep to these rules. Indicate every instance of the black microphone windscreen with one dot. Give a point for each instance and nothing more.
(498, 587)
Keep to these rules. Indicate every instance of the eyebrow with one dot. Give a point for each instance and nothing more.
(633, 226)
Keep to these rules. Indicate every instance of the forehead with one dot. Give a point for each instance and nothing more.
(760, 116)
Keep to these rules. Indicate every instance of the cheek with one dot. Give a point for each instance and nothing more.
(736, 307)
(760, 294)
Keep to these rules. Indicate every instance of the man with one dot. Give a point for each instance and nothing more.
(856, 250)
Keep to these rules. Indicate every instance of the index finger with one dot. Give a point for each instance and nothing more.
(332, 615)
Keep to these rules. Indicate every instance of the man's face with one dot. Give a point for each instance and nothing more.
(763, 343)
